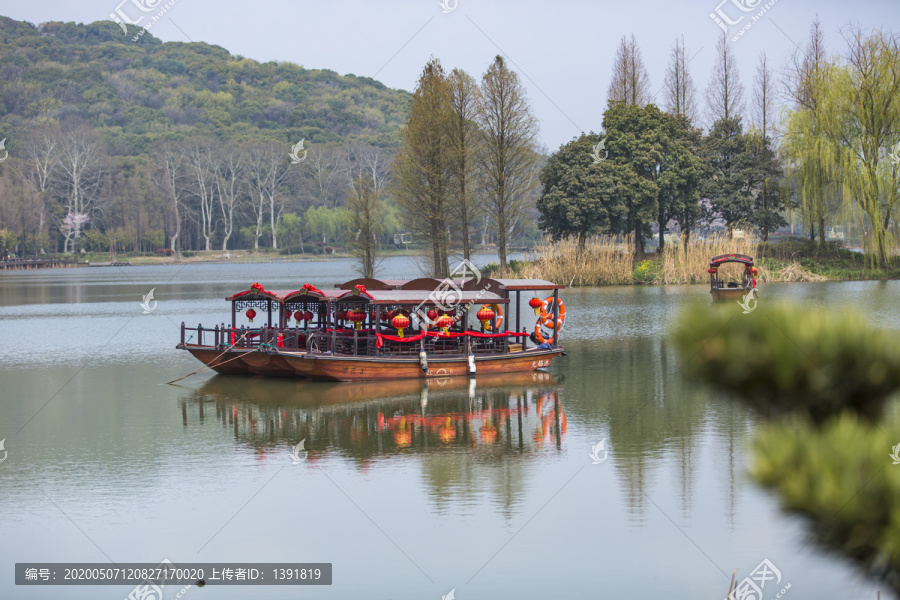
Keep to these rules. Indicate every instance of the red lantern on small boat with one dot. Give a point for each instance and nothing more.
(485, 315)
(400, 322)
(536, 304)
(444, 322)
(308, 316)
(298, 316)
(432, 314)
(250, 314)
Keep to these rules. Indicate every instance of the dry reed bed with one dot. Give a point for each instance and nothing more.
(606, 261)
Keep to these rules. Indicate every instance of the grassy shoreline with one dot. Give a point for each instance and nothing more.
(606, 261)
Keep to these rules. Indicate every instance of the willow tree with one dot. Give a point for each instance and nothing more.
(465, 99)
(807, 145)
(506, 154)
(862, 117)
(422, 171)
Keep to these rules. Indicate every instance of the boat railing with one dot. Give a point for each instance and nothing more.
(348, 343)
(342, 343)
(223, 337)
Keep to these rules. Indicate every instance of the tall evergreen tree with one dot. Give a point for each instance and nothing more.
(633, 141)
(422, 167)
(465, 100)
(578, 197)
(727, 187)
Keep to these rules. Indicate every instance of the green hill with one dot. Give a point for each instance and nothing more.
(137, 93)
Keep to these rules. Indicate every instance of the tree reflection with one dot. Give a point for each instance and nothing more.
(634, 392)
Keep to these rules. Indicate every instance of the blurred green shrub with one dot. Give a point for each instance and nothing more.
(841, 476)
(784, 358)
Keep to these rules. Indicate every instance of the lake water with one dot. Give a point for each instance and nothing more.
(410, 490)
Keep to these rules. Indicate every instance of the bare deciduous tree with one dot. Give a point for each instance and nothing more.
(81, 161)
(764, 97)
(630, 80)
(725, 94)
(170, 159)
(228, 175)
(680, 90)
(202, 165)
(267, 175)
(506, 152)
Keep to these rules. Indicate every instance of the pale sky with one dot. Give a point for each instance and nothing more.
(563, 51)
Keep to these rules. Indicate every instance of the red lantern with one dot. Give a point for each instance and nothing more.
(754, 282)
(400, 322)
(755, 271)
(357, 316)
(308, 316)
(432, 314)
(298, 316)
(485, 315)
(444, 322)
(250, 314)
(536, 304)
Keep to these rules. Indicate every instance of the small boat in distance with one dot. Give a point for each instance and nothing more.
(371, 329)
(722, 290)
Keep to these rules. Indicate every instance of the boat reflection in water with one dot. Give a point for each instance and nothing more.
(511, 413)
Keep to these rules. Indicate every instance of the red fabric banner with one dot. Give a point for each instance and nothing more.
(379, 342)
(439, 334)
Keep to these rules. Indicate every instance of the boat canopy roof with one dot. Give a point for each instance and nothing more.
(431, 283)
(313, 295)
(372, 284)
(446, 297)
(495, 285)
(424, 289)
(256, 292)
(730, 258)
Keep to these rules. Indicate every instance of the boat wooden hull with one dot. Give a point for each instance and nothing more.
(365, 368)
(725, 294)
(227, 363)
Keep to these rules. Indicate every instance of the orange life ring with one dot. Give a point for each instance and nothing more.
(498, 311)
(546, 318)
(539, 335)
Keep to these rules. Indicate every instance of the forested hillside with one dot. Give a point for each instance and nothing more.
(138, 93)
(89, 98)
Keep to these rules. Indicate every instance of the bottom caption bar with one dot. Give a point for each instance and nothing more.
(167, 573)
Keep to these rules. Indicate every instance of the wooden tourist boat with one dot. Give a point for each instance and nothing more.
(722, 291)
(370, 329)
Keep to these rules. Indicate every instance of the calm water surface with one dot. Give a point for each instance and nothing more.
(409, 489)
